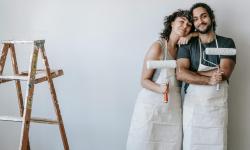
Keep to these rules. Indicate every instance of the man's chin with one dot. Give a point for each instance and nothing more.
(205, 31)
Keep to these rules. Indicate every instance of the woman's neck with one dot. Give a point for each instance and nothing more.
(172, 41)
(171, 45)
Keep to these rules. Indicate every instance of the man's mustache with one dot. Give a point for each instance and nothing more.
(202, 24)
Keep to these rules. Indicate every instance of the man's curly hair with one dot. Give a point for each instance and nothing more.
(169, 19)
(209, 11)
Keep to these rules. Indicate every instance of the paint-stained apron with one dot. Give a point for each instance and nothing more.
(156, 125)
(205, 115)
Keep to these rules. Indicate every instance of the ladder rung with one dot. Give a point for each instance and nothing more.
(44, 120)
(38, 71)
(33, 119)
(54, 74)
(40, 76)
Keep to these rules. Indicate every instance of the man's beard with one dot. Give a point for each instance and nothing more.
(208, 29)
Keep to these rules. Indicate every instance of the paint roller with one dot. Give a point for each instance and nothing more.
(219, 51)
(162, 64)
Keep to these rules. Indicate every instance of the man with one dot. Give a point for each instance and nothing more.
(205, 110)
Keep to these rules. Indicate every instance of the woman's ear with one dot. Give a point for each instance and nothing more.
(172, 24)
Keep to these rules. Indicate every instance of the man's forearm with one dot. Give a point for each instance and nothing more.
(192, 77)
(207, 73)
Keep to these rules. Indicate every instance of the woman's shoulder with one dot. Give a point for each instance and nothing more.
(156, 48)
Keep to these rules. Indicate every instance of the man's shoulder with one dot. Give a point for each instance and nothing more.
(223, 38)
(225, 41)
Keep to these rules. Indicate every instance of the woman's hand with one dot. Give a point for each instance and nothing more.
(184, 40)
(164, 88)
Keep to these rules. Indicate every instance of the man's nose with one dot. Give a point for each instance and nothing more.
(199, 21)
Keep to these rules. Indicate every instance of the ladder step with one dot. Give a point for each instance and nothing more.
(40, 76)
(33, 119)
(16, 42)
(24, 78)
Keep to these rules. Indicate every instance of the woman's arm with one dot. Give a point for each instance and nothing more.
(185, 39)
(154, 53)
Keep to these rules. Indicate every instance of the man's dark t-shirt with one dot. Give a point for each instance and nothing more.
(191, 51)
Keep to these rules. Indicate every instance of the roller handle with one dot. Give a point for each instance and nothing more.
(218, 84)
(165, 95)
(218, 87)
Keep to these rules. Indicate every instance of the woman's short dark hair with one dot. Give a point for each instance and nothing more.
(169, 19)
(209, 11)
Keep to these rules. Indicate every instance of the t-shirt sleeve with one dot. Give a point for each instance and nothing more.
(183, 52)
(230, 44)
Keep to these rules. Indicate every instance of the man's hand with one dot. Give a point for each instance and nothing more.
(215, 78)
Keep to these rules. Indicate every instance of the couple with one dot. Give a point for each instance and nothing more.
(202, 125)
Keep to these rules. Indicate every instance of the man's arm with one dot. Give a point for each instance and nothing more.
(227, 64)
(226, 68)
(207, 73)
(184, 74)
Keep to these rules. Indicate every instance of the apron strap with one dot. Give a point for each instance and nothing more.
(202, 52)
(163, 46)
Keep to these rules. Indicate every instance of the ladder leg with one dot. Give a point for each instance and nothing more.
(18, 84)
(3, 57)
(54, 99)
(28, 101)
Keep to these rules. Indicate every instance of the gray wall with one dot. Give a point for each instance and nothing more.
(100, 44)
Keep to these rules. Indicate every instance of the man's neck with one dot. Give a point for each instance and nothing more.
(208, 37)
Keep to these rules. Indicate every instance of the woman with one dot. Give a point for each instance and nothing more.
(156, 125)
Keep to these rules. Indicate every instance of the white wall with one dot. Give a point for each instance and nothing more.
(100, 44)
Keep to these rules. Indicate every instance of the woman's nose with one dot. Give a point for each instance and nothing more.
(185, 25)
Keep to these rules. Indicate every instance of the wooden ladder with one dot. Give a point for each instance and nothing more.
(32, 77)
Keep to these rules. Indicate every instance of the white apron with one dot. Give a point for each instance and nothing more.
(156, 125)
(205, 115)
